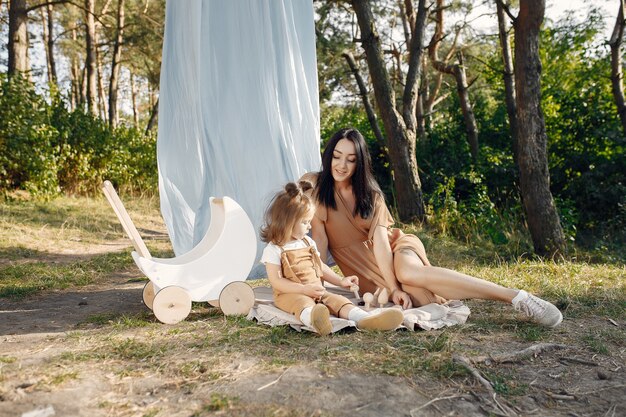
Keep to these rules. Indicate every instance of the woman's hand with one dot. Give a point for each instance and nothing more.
(314, 291)
(349, 281)
(401, 298)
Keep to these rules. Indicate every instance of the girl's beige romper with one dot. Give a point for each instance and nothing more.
(305, 267)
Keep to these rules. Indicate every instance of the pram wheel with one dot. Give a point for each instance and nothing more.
(171, 305)
(237, 298)
(148, 294)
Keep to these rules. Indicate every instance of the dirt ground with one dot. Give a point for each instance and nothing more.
(43, 372)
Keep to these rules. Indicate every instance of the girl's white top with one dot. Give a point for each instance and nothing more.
(271, 253)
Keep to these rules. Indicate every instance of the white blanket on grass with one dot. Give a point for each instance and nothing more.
(428, 317)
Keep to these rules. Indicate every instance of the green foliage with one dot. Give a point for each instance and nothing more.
(586, 148)
(46, 149)
(586, 141)
(27, 140)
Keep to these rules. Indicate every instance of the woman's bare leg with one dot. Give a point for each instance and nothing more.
(447, 283)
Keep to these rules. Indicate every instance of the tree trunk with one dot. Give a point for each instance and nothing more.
(509, 81)
(419, 113)
(543, 220)
(400, 138)
(133, 92)
(115, 66)
(458, 72)
(471, 128)
(102, 101)
(369, 110)
(50, 48)
(431, 97)
(18, 38)
(47, 21)
(90, 61)
(76, 78)
(617, 75)
(153, 117)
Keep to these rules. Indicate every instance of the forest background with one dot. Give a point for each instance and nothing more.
(79, 89)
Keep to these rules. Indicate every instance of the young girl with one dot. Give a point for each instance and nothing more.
(295, 270)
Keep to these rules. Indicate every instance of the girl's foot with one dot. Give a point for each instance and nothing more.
(320, 319)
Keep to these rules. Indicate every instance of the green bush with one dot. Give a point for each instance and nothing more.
(28, 158)
(46, 149)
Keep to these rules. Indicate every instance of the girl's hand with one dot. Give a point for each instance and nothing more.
(348, 282)
(401, 298)
(314, 291)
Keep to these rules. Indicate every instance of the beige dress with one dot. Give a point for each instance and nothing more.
(350, 243)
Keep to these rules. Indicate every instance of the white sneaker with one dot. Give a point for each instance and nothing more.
(539, 310)
(387, 319)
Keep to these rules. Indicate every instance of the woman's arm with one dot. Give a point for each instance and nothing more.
(284, 285)
(318, 233)
(384, 260)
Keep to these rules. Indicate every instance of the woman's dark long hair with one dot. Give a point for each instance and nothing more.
(364, 186)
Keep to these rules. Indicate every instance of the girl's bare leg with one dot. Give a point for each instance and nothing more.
(447, 283)
(345, 310)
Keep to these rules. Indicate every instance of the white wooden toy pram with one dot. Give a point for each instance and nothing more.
(213, 271)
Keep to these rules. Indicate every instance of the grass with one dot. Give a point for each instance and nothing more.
(66, 243)
(63, 244)
(21, 280)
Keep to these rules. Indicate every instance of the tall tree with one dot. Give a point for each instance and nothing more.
(18, 37)
(508, 73)
(115, 65)
(542, 217)
(457, 70)
(369, 110)
(133, 91)
(400, 124)
(90, 61)
(18, 34)
(617, 75)
(47, 20)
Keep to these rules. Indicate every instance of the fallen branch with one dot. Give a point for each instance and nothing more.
(461, 360)
(415, 410)
(576, 360)
(273, 382)
(602, 389)
(561, 397)
(532, 351)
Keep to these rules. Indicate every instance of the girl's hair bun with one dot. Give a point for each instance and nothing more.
(305, 186)
(292, 189)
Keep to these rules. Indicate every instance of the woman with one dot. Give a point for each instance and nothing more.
(353, 222)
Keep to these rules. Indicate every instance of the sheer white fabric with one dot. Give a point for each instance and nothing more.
(238, 108)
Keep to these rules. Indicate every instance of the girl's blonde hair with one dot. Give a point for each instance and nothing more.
(286, 208)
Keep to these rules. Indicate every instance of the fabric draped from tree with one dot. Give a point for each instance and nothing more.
(238, 108)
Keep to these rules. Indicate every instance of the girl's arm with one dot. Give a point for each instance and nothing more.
(284, 285)
(384, 260)
(329, 275)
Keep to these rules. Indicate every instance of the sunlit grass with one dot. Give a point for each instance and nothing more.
(205, 345)
(66, 242)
